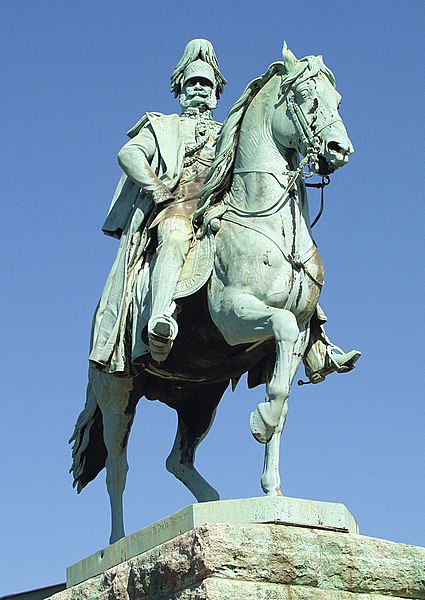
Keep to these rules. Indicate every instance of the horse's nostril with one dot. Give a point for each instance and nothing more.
(335, 147)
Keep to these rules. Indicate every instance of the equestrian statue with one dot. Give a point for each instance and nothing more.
(217, 274)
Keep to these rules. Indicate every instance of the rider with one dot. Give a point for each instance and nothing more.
(165, 164)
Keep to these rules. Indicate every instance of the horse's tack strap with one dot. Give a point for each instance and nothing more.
(268, 171)
(276, 205)
(297, 265)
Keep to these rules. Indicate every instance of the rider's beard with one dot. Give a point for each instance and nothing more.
(209, 102)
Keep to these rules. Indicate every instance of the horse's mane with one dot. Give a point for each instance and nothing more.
(218, 180)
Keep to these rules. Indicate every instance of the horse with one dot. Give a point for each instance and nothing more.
(253, 315)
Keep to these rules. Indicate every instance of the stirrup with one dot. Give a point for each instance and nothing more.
(162, 331)
(336, 360)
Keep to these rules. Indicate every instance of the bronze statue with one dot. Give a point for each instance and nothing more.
(242, 278)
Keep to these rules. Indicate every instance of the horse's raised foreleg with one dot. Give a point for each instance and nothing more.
(248, 319)
(195, 417)
(112, 395)
(268, 414)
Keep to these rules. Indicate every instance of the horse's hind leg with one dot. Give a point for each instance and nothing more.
(195, 417)
(113, 397)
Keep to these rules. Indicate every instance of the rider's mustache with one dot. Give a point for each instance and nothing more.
(198, 92)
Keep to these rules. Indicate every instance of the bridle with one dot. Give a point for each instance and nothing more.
(309, 137)
(302, 127)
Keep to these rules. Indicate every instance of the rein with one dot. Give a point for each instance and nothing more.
(312, 143)
(279, 203)
(325, 181)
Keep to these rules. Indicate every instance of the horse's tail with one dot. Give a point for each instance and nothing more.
(89, 450)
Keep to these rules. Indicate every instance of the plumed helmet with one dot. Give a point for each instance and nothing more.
(199, 59)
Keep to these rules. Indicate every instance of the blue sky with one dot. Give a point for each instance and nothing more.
(75, 76)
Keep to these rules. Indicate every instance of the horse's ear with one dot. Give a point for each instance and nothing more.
(289, 58)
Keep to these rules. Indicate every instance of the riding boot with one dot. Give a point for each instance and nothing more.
(322, 357)
(174, 236)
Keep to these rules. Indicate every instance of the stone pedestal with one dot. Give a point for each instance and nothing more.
(270, 559)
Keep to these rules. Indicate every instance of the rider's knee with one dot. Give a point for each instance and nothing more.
(175, 231)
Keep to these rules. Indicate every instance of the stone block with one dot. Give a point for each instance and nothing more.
(262, 561)
(360, 563)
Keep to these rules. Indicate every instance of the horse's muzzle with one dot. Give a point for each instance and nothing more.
(334, 157)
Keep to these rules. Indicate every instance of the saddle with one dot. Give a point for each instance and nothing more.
(197, 267)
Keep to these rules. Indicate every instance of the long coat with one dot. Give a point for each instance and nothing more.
(125, 302)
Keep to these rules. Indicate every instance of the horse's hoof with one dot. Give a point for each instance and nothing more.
(262, 432)
(208, 495)
(274, 492)
(116, 536)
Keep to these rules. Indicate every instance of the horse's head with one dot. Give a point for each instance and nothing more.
(310, 103)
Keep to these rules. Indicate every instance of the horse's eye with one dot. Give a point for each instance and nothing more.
(304, 94)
